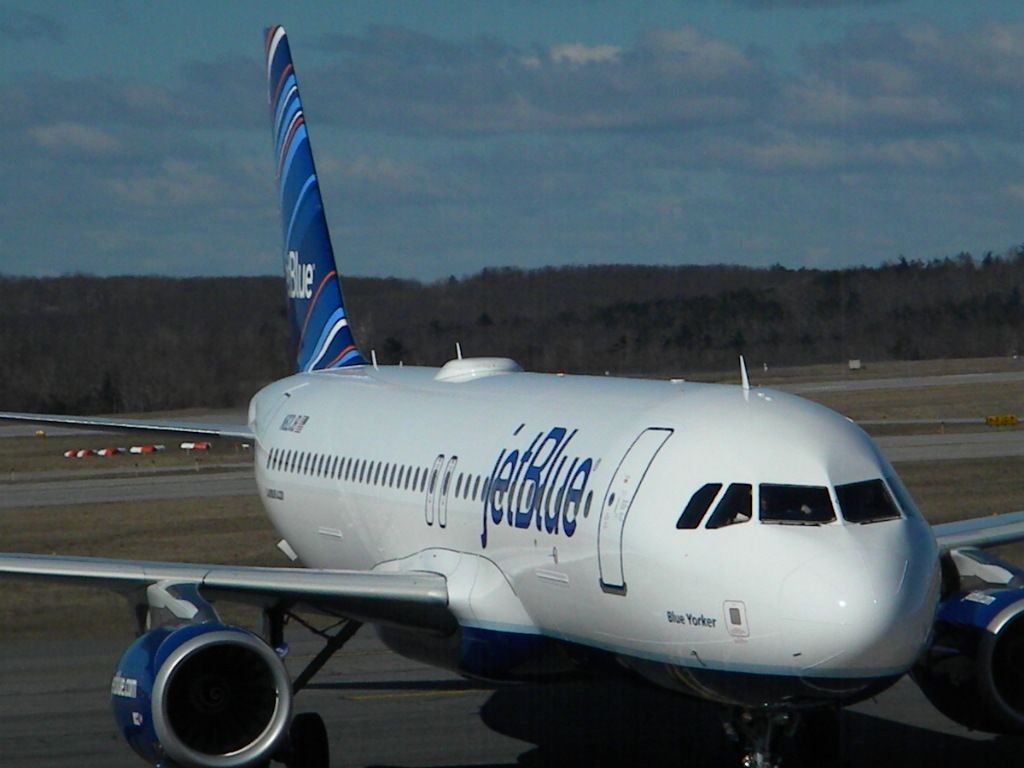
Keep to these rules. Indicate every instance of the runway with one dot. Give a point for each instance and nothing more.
(146, 485)
(855, 384)
(383, 710)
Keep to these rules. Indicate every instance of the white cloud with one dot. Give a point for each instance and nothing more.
(74, 138)
(579, 54)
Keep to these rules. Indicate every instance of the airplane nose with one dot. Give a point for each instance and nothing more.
(857, 612)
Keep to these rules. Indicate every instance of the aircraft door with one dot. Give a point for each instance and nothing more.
(428, 509)
(446, 485)
(617, 501)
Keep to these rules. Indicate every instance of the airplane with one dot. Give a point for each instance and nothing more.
(738, 545)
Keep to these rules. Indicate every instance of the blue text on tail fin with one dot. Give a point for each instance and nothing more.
(316, 311)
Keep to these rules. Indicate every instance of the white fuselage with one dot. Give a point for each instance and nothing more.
(551, 505)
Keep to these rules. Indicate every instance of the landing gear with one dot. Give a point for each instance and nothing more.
(307, 745)
(755, 733)
(805, 738)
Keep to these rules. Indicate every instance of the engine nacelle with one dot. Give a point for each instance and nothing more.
(202, 695)
(974, 671)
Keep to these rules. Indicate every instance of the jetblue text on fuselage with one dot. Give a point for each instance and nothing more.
(299, 277)
(537, 484)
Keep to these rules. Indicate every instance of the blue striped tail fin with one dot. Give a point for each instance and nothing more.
(321, 334)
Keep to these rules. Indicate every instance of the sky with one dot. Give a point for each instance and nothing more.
(456, 136)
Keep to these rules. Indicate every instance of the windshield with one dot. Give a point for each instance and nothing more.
(795, 504)
(866, 502)
(735, 506)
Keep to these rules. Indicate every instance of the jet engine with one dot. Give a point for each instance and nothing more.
(202, 695)
(974, 670)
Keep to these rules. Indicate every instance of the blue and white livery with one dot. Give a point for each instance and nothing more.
(316, 310)
(745, 547)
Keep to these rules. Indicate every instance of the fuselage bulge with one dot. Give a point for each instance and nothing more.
(748, 546)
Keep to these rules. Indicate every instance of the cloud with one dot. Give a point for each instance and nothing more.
(446, 155)
(74, 138)
(903, 79)
(29, 26)
(811, 4)
(397, 80)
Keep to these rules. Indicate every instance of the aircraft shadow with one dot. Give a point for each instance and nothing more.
(402, 685)
(622, 722)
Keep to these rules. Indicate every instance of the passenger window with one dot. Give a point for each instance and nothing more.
(795, 504)
(458, 486)
(362, 470)
(736, 506)
(698, 506)
(866, 502)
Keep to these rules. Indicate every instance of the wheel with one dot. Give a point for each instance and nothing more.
(308, 742)
(817, 742)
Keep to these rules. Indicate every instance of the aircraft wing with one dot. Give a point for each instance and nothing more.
(231, 431)
(411, 600)
(980, 531)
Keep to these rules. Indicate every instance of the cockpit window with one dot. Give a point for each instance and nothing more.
(698, 506)
(735, 507)
(866, 502)
(796, 504)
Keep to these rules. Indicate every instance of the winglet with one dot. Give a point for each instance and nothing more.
(321, 336)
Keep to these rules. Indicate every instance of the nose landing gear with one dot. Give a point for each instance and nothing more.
(754, 732)
(806, 737)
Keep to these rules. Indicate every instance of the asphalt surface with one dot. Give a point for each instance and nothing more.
(856, 384)
(383, 710)
(145, 486)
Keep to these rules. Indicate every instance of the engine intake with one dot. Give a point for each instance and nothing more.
(974, 671)
(202, 695)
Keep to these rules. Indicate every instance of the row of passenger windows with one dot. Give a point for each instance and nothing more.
(864, 502)
(379, 473)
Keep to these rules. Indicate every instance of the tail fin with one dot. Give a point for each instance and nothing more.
(321, 335)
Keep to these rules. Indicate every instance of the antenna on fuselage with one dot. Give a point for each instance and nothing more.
(458, 350)
(373, 359)
(744, 379)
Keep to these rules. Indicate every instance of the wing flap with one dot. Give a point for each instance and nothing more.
(230, 431)
(980, 531)
(413, 600)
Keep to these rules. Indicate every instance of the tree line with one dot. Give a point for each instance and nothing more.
(84, 344)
